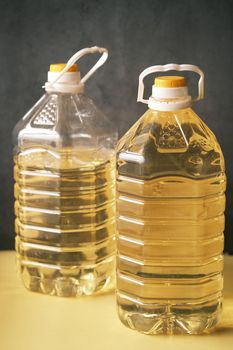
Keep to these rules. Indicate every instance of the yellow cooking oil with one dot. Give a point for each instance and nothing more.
(64, 171)
(170, 219)
(65, 220)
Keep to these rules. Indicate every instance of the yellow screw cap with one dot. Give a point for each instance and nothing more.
(58, 67)
(170, 81)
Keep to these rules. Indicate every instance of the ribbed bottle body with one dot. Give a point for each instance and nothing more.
(65, 200)
(170, 218)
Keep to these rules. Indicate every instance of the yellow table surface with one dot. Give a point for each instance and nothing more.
(30, 321)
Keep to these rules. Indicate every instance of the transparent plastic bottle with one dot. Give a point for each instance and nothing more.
(170, 214)
(65, 188)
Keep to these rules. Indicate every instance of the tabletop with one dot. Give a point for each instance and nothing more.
(31, 321)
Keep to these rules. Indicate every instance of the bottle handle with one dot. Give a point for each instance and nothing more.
(77, 56)
(165, 68)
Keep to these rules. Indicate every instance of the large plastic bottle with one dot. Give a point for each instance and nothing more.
(170, 195)
(65, 188)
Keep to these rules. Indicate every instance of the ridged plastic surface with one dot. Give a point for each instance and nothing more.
(170, 217)
(65, 201)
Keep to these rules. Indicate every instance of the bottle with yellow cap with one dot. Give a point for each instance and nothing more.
(170, 214)
(65, 188)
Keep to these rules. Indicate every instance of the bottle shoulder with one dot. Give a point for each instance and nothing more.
(176, 142)
(64, 118)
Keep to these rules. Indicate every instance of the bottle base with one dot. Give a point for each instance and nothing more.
(173, 319)
(68, 282)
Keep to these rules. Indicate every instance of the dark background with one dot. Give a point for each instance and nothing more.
(138, 34)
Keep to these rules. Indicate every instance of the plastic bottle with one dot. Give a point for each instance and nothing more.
(170, 214)
(65, 188)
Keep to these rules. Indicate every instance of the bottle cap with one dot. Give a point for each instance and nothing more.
(170, 81)
(58, 67)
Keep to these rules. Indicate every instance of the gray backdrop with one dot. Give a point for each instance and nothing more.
(138, 33)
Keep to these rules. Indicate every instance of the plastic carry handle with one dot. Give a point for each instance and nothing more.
(165, 68)
(77, 56)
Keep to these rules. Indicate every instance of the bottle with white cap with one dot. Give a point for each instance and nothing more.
(65, 188)
(170, 213)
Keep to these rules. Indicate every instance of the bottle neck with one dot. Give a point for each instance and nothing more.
(68, 83)
(169, 99)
